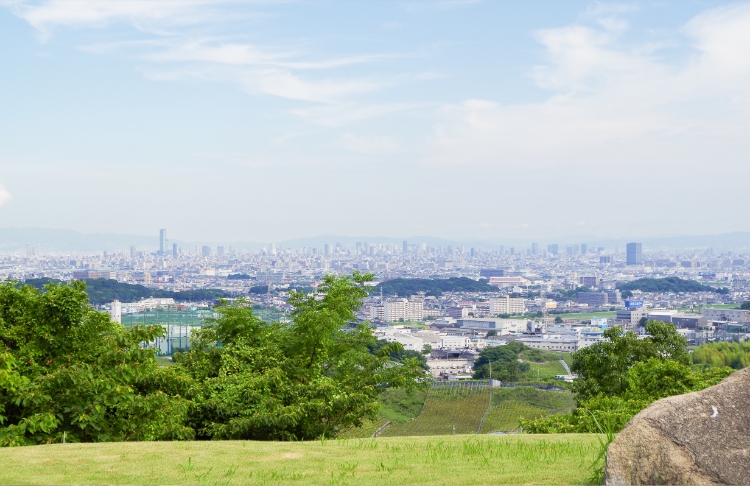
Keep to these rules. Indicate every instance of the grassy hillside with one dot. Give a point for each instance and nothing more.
(460, 460)
(445, 408)
(464, 408)
(509, 405)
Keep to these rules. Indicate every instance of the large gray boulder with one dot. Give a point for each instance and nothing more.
(697, 438)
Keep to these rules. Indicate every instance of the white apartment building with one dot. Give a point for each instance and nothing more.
(552, 342)
(395, 310)
(407, 340)
(454, 342)
(144, 305)
(507, 305)
(735, 315)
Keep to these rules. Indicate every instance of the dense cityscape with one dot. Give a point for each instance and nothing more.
(551, 297)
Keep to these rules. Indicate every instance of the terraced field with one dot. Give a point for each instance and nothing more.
(462, 409)
(447, 410)
(506, 416)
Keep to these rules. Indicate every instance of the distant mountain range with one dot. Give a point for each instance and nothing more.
(14, 240)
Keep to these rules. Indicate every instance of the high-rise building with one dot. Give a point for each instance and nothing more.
(162, 242)
(206, 251)
(174, 250)
(406, 246)
(634, 254)
(133, 252)
(273, 248)
(327, 249)
(220, 250)
(584, 248)
(553, 249)
(534, 248)
(115, 311)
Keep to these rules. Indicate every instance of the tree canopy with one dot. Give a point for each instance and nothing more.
(67, 369)
(312, 378)
(669, 284)
(602, 367)
(405, 287)
(101, 291)
(619, 377)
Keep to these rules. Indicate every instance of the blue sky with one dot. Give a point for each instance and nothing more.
(263, 121)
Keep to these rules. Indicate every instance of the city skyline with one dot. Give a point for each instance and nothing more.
(269, 121)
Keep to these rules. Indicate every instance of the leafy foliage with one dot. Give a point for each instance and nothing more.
(67, 369)
(102, 291)
(562, 295)
(410, 286)
(733, 355)
(620, 377)
(602, 367)
(646, 382)
(669, 284)
(312, 378)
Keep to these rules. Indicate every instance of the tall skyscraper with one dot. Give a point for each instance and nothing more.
(174, 250)
(552, 248)
(584, 248)
(133, 251)
(534, 248)
(406, 246)
(162, 242)
(634, 254)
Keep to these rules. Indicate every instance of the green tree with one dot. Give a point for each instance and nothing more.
(745, 305)
(312, 378)
(492, 332)
(602, 367)
(558, 320)
(67, 369)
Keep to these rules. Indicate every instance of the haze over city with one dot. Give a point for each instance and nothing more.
(266, 121)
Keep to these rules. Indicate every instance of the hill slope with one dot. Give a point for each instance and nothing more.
(102, 291)
(405, 287)
(669, 284)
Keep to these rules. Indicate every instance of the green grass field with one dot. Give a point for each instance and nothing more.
(459, 460)
(544, 371)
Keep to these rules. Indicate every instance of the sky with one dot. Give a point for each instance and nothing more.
(263, 120)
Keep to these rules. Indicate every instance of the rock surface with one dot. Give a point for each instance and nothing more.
(697, 438)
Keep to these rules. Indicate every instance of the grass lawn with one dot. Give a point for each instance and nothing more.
(453, 459)
(543, 371)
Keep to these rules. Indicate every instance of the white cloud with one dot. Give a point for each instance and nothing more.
(612, 103)
(151, 15)
(4, 196)
(175, 52)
